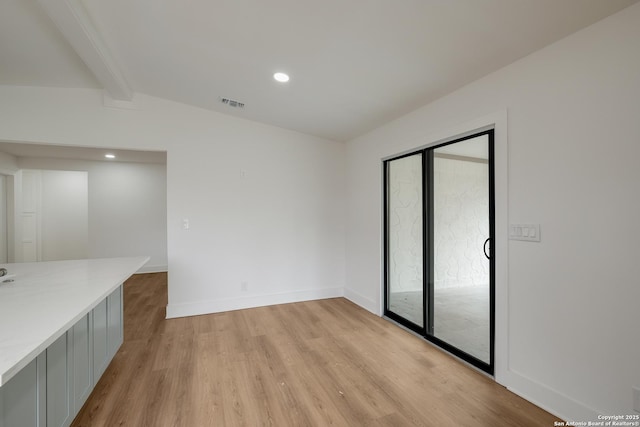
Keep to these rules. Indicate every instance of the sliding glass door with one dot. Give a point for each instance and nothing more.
(438, 234)
(405, 256)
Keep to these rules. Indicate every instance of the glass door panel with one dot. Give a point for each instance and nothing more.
(404, 235)
(461, 273)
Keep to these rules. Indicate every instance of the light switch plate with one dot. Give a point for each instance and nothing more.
(525, 232)
(636, 399)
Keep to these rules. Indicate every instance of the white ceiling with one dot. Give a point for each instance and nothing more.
(354, 64)
(33, 52)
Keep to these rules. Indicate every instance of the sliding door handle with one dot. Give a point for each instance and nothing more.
(484, 248)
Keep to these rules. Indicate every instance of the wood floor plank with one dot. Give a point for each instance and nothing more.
(315, 363)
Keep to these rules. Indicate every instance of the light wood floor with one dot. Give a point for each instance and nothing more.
(315, 363)
(461, 316)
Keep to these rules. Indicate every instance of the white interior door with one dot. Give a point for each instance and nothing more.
(4, 235)
(53, 212)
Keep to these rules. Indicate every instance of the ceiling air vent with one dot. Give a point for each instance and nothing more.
(232, 103)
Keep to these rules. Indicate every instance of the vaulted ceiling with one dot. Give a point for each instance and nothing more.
(354, 64)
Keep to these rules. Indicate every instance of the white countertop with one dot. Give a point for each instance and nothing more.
(47, 298)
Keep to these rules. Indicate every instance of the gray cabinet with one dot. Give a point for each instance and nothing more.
(22, 398)
(115, 324)
(82, 361)
(51, 389)
(59, 382)
(108, 332)
(100, 335)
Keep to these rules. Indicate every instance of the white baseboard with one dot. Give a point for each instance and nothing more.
(229, 304)
(550, 400)
(364, 302)
(152, 269)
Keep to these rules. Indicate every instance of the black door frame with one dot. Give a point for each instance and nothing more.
(426, 330)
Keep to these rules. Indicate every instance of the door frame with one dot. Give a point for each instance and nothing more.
(426, 331)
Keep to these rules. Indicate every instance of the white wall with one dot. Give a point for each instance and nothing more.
(266, 205)
(64, 228)
(573, 146)
(127, 207)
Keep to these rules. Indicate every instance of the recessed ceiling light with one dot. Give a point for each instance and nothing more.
(281, 77)
(110, 156)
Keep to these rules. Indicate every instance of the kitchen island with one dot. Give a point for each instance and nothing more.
(60, 326)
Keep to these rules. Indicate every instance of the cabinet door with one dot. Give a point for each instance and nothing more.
(21, 397)
(82, 357)
(59, 380)
(100, 347)
(114, 306)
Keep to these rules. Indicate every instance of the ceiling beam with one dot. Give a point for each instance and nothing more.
(72, 19)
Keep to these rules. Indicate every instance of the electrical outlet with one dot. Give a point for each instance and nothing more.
(636, 399)
(244, 286)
